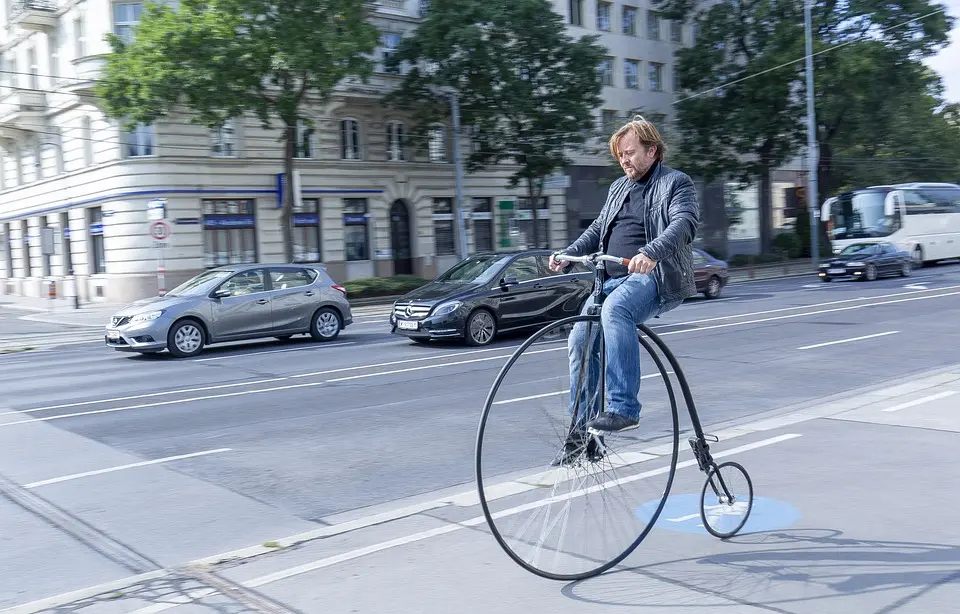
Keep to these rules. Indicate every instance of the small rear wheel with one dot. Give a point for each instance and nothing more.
(713, 287)
(726, 499)
(481, 328)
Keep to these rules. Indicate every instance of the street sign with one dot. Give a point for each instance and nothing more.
(157, 209)
(160, 230)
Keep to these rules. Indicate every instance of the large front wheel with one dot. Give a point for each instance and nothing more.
(562, 504)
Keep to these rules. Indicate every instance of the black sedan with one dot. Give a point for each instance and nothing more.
(867, 261)
(491, 293)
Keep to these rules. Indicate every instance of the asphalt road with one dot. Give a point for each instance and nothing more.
(261, 440)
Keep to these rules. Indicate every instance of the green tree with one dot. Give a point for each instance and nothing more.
(224, 58)
(526, 89)
(747, 113)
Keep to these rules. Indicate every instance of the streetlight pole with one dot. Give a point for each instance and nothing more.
(458, 167)
(813, 157)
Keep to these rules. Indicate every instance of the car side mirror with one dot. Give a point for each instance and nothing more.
(509, 280)
(222, 294)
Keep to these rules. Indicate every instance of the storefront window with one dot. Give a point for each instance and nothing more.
(356, 235)
(482, 221)
(306, 231)
(98, 255)
(444, 243)
(229, 231)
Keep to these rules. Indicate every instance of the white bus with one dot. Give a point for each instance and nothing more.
(922, 219)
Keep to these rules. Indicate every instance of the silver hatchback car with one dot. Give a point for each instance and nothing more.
(234, 303)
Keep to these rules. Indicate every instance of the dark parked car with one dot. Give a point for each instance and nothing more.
(491, 293)
(710, 273)
(867, 260)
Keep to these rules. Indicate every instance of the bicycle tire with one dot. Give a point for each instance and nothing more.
(491, 395)
(715, 470)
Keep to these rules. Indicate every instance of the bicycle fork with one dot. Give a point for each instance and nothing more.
(701, 451)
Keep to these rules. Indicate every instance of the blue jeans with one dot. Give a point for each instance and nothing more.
(630, 301)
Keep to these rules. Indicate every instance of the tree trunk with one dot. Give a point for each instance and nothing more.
(534, 197)
(766, 210)
(286, 217)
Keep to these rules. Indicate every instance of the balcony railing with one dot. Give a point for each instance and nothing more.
(21, 6)
(34, 14)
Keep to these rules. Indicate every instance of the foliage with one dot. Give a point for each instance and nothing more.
(526, 89)
(224, 58)
(382, 286)
(745, 110)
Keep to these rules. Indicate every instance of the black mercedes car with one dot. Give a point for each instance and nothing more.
(491, 293)
(866, 260)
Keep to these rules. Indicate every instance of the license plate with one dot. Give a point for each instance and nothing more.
(407, 325)
(835, 271)
(113, 334)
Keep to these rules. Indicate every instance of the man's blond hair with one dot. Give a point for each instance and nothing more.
(646, 133)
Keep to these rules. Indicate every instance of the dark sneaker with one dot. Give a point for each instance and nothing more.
(573, 449)
(611, 423)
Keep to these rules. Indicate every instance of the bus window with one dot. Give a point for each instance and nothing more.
(860, 215)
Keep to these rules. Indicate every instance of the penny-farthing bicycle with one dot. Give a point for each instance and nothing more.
(571, 512)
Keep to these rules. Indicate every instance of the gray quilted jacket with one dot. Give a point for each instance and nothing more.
(672, 219)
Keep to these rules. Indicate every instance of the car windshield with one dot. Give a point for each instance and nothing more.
(474, 270)
(857, 248)
(199, 284)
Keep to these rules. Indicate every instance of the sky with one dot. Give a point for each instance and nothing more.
(947, 62)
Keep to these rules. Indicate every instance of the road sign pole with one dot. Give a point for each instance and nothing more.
(161, 272)
(160, 232)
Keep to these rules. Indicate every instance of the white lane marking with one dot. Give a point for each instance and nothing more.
(850, 340)
(914, 403)
(684, 518)
(309, 348)
(558, 392)
(916, 286)
(441, 365)
(804, 315)
(782, 309)
(478, 520)
(250, 383)
(156, 461)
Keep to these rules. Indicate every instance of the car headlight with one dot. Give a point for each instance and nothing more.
(146, 317)
(446, 308)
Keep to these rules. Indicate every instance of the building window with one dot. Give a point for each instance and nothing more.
(655, 73)
(79, 38)
(389, 44)
(86, 133)
(306, 230)
(34, 67)
(229, 231)
(608, 121)
(653, 25)
(525, 221)
(395, 141)
(629, 20)
(303, 148)
(126, 16)
(25, 242)
(222, 140)
(437, 144)
(576, 12)
(482, 221)
(603, 16)
(140, 141)
(606, 71)
(349, 139)
(97, 253)
(631, 74)
(67, 247)
(7, 250)
(356, 237)
(444, 243)
(46, 260)
(676, 31)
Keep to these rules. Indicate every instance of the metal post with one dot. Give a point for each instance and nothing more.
(462, 229)
(813, 157)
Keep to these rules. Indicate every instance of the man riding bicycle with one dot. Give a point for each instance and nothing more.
(651, 217)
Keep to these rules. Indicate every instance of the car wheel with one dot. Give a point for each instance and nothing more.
(871, 273)
(326, 325)
(185, 339)
(907, 269)
(481, 328)
(713, 287)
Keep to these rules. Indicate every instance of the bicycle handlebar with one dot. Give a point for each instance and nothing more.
(590, 259)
